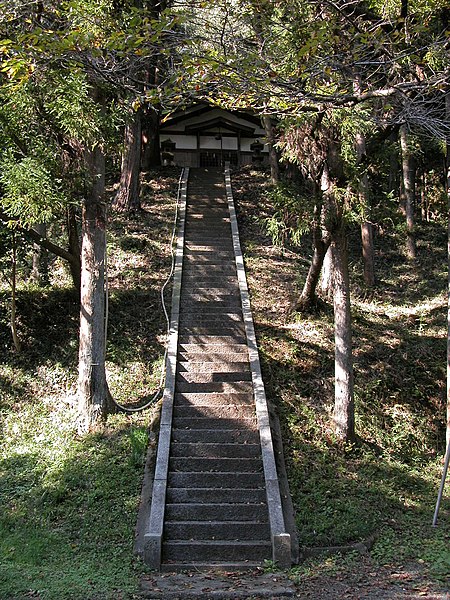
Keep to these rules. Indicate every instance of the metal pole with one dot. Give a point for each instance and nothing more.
(441, 488)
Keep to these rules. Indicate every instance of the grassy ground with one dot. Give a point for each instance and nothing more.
(383, 489)
(69, 504)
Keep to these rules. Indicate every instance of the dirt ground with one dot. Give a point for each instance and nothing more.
(364, 581)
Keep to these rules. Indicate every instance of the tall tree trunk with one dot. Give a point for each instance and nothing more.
(326, 281)
(273, 158)
(74, 247)
(128, 194)
(394, 168)
(408, 172)
(39, 271)
(447, 106)
(368, 250)
(344, 406)
(151, 153)
(94, 401)
(308, 296)
(326, 276)
(13, 322)
(321, 243)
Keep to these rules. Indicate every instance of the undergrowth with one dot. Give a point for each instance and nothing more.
(69, 504)
(383, 489)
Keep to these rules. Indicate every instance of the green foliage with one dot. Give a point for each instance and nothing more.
(74, 111)
(290, 218)
(31, 193)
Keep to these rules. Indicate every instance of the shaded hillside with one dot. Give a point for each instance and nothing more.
(384, 488)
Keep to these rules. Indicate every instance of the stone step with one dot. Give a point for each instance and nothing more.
(215, 495)
(196, 293)
(213, 320)
(206, 201)
(214, 386)
(217, 512)
(207, 255)
(216, 450)
(213, 340)
(205, 311)
(216, 530)
(213, 377)
(227, 357)
(209, 465)
(212, 327)
(211, 214)
(229, 411)
(209, 230)
(205, 294)
(209, 224)
(206, 291)
(212, 550)
(215, 241)
(217, 366)
(219, 289)
(211, 246)
(220, 348)
(216, 480)
(239, 436)
(218, 329)
(208, 281)
(213, 399)
(212, 270)
(204, 306)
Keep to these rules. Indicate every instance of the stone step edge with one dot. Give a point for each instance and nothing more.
(151, 545)
(281, 539)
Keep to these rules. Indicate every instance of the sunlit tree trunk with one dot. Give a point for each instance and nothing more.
(326, 276)
(321, 243)
(408, 178)
(94, 401)
(128, 194)
(344, 406)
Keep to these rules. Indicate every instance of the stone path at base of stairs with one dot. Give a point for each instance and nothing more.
(217, 586)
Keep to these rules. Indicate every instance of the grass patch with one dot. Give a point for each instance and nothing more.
(69, 503)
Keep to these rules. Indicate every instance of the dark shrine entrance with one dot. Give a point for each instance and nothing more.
(218, 158)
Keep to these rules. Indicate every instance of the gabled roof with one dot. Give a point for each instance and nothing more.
(197, 110)
(219, 122)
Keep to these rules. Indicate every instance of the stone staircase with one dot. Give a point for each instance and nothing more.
(217, 506)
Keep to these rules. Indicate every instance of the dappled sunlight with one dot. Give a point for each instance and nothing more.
(386, 481)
